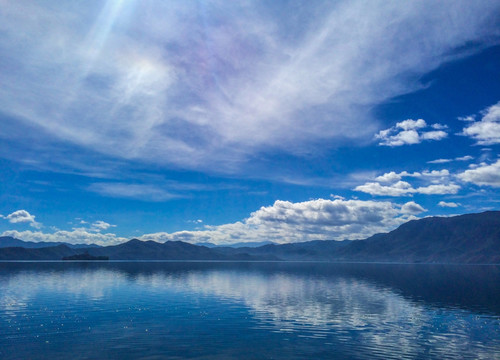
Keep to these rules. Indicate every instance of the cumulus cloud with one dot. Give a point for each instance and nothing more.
(393, 176)
(22, 216)
(389, 177)
(401, 188)
(412, 207)
(438, 189)
(439, 126)
(397, 189)
(197, 221)
(448, 204)
(468, 118)
(101, 226)
(390, 184)
(92, 234)
(410, 132)
(483, 175)
(76, 236)
(288, 222)
(487, 130)
(434, 173)
(207, 86)
(337, 197)
(282, 222)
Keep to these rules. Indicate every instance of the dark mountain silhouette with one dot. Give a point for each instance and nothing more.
(171, 250)
(471, 238)
(310, 250)
(85, 257)
(45, 253)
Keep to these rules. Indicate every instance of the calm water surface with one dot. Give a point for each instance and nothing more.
(195, 310)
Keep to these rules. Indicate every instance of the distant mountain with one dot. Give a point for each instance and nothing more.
(310, 250)
(170, 250)
(471, 238)
(131, 250)
(151, 250)
(46, 253)
(8, 241)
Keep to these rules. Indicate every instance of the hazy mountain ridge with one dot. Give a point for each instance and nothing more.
(470, 238)
(9, 241)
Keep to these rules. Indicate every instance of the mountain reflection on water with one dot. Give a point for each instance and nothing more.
(279, 310)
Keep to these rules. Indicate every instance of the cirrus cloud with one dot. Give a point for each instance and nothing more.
(206, 87)
(143, 192)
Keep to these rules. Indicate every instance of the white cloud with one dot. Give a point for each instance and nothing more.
(76, 236)
(464, 158)
(394, 186)
(444, 161)
(436, 173)
(393, 176)
(468, 118)
(439, 161)
(483, 175)
(413, 208)
(439, 189)
(287, 222)
(439, 126)
(448, 204)
(433, 135)
(141, 83)
(100, 226)
(337, 197)
(22, 216)
(487, 130)
(410, 132)
(402, 188)
(388, 177)
(282, 222)
(411, 124)
(93, 234)
(397, 189)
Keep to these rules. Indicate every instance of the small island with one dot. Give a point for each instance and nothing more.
(85, 256)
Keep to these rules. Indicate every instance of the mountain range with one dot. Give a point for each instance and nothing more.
(470, 238)
(8, 241)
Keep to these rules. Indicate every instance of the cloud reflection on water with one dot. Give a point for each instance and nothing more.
(333, 306)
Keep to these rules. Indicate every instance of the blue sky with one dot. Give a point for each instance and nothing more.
(245, 121)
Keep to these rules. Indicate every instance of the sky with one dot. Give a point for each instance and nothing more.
(231, 122)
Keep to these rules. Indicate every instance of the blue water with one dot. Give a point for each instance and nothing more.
(195, 310)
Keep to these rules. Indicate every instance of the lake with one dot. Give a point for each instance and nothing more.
(260, 310)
